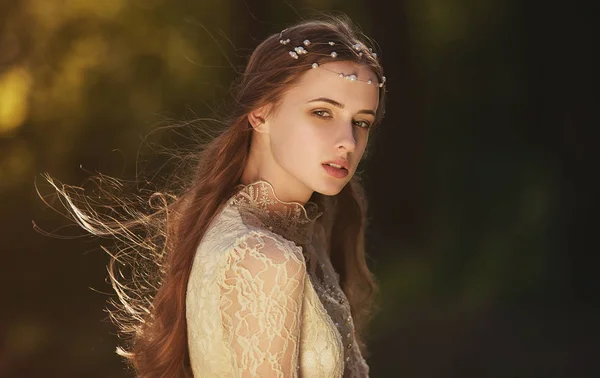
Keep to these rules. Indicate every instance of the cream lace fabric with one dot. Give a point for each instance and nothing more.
(263, 299)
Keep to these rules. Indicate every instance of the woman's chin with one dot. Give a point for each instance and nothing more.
(331, 189)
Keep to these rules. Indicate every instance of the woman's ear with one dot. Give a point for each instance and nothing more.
(257, 119)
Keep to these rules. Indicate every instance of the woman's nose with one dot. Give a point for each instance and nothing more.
(347, 137)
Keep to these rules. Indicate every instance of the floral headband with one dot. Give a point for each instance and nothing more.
(300, 50)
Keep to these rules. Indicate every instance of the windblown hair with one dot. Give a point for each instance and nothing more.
(150, 267)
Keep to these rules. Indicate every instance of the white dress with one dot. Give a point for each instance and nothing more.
(263, 299)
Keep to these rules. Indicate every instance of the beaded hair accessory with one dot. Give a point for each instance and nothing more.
(301, 50)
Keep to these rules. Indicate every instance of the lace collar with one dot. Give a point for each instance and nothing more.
(291, 220)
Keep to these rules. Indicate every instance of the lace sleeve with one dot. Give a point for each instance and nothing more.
(261, 299)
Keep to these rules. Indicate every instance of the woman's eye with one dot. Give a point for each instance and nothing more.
(363, 124)
(327, 114)
(322, 113)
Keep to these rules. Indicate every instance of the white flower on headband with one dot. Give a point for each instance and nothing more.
(300, 50)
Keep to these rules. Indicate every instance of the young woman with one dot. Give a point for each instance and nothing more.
(257, 268)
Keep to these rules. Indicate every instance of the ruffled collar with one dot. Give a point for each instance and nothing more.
(291, 220)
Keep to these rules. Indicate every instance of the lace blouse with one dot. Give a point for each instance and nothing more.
(263, 298)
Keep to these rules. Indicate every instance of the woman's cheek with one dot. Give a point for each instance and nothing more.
(307, 134)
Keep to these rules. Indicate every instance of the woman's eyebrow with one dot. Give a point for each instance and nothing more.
(340, 105)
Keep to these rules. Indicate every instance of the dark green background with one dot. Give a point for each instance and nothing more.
(482, 181)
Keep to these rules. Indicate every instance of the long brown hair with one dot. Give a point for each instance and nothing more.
(157, 246)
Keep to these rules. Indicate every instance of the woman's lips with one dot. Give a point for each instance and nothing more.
(335, 172)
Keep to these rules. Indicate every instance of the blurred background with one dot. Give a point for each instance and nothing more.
(482, 181)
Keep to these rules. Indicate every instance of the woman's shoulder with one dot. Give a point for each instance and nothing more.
(230, 230)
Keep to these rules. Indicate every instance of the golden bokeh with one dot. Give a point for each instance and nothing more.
(15, 85)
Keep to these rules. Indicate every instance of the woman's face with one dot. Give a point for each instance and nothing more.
(324, 118)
